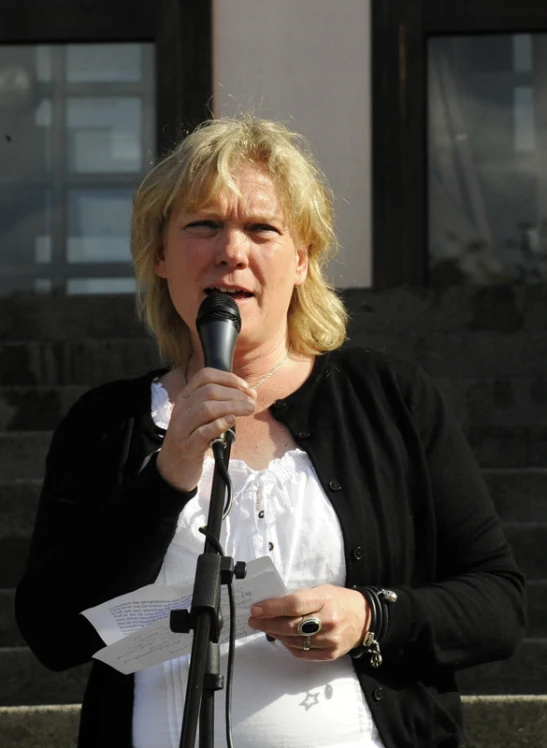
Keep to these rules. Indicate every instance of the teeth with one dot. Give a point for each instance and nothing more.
(229, 290)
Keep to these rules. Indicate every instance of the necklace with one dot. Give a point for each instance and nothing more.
(271, 372)
(256, 384)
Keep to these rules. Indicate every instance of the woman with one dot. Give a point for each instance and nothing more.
(348, 471)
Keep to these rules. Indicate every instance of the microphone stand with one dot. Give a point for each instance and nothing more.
(205, 617)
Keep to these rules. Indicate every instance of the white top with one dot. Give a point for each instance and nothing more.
(278, 700)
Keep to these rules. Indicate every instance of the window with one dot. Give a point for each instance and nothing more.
(90, 93)
(487, 159)
(459, 104)
(78, 123)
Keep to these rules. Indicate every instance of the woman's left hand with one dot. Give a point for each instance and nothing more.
(344, 616)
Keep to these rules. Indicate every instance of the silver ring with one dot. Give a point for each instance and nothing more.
(309, 627)
(307, 643)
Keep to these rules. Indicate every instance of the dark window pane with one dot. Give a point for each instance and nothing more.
(487, 169)
(77, 138)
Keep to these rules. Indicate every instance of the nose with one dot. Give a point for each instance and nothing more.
(232, 248)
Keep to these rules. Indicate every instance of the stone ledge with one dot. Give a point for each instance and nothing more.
(495, 721)
(39, 726)
(491, 722)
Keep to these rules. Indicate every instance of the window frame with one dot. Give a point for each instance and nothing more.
(181, 31)
(400, 31)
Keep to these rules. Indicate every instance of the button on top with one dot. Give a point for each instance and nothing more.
(261, 514)
(280, 405)
(334, 485)
(303, 434)
(357, 553)
(270, 546)
(378, 694)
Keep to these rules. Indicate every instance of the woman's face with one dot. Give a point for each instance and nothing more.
(242, 245)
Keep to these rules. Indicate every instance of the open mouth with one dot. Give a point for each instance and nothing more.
(235, 293)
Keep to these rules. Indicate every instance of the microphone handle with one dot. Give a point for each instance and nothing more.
(218, 341)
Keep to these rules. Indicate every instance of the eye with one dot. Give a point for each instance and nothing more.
(202, 227)
(264, 228)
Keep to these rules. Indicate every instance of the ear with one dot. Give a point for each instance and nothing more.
(160, 263)
(302, 262)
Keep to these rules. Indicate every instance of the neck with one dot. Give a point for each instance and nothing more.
(249, 364)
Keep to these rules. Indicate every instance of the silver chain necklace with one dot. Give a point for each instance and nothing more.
(271, 372)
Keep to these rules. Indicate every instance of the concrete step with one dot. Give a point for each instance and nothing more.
(18, 502)
(496, 401)
(37, 317)
(524, 673)
(28, 316)
(520, 494)
(536, 601)
(35, 408)
(13, 557)
(22, 455)
(39, 726)
(459, 353)
(505, 721)
(504, 373)
(9, 633)
(507, 402)
(26, 682)
(528, 541)
(78, 363)
(490, 722)
(426, 310)
(18, 505)
(536, 597)
(509, 446)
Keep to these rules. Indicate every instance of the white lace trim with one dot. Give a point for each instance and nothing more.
(284, 467)
(162, 407)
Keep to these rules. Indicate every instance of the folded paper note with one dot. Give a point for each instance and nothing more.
(135, 627)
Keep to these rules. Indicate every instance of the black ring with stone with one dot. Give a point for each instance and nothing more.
(309, 626)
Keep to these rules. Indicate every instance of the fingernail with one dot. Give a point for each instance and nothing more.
(256, 611)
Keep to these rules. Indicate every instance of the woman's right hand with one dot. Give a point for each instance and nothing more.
(206, 408)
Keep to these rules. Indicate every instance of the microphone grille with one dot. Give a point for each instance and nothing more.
(219, 306)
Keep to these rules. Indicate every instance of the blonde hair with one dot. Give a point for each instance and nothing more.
(191, 175)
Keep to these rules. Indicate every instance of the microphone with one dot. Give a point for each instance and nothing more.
(218, 324)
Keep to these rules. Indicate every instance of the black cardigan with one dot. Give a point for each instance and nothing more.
(414, 512)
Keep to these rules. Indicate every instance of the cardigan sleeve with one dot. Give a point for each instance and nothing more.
(96, 536)
(473, 611)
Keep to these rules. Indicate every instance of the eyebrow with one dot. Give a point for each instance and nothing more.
(213, 215)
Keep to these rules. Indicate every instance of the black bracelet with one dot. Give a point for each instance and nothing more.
(378, 600)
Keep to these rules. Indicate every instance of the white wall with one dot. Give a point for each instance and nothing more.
(307, 64)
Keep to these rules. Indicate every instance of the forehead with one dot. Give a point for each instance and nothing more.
(252, 192)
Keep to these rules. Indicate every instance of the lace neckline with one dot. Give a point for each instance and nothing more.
(162, 408)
